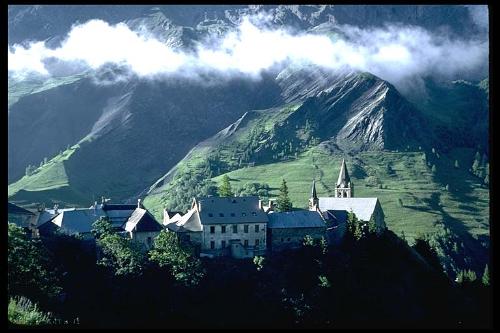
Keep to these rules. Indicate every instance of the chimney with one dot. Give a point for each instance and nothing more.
(56, 208)
(270, 204)
(139, 203)
(39, 208)
(199, 206)
(260, 204)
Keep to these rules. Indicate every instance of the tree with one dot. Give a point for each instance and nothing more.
(102, 227)
(120, 254)
(403, 236)
(29, 270)
(225, 188)
(184, 266)
(486, 276)
(308, 240)
(323, 282)
(259, 262)
(283, 203)
(29, 170)
(372, 226)
(423, 247)
(466, 277)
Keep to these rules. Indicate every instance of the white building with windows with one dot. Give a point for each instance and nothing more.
(222, 226)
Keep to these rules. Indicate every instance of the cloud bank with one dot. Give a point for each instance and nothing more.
(395, 53)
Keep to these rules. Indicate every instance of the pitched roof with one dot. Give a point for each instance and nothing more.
(344, 178)
(141, 221)
(295, 219)
(118, 217)
(78, 220)
(44, 217)
(172, 213)
(15, 209)
(190, 222)
(230, 210)
(362, 207)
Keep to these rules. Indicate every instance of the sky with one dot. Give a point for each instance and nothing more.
(395, 53)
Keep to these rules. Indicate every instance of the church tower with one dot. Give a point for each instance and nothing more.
(313, 200)
(343, 188)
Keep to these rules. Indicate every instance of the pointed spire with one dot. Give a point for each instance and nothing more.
(313, 190)
(344, 179)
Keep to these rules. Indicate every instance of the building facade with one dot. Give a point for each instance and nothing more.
(222, 226)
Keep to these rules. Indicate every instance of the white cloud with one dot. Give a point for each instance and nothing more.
(395, 53)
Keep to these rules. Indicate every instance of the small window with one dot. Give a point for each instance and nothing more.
(234, 201)
(254, 214)
(245, 228)
(288, 239)
(245, 243)
(256, 228)
(233, 214)
(256, 242)
(223, 229)
(212, 229)
(221, 214)
(223, 244)
(235, 229)
(210, 215)
(212, 245)
(243, 214)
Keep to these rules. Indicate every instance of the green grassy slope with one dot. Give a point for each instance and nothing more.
(18, 89)
(48, 183)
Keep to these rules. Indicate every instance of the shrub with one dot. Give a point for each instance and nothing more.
(22, 311)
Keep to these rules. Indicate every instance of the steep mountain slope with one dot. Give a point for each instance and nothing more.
(141, 129)
(132, 131)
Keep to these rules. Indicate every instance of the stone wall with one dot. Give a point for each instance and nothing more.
(285, 238)
(146, 239)
(218, 237)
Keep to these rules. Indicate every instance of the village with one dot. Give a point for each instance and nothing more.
(239, 227)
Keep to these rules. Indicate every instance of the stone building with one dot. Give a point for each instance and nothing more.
(235, 226)
(334, 209)
(287, 229)
(142, 227)
(79, 221)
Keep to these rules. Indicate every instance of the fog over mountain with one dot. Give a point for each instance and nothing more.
(395, 52)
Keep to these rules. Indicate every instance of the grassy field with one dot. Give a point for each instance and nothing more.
(425, 201)
(49, 182)
(16, 90)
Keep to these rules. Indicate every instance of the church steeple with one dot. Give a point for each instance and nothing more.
(343, 188)
(313, 200)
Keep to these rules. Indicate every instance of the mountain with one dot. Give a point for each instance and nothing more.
(390, 148)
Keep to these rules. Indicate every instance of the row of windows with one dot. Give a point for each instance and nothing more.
(245, 243)
(234, 228)
(232, 214)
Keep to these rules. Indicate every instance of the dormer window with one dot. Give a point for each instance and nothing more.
(233, 201)
(221, 214)
(254, 214)
(233, 214)
(210, 215)
(243, 214)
